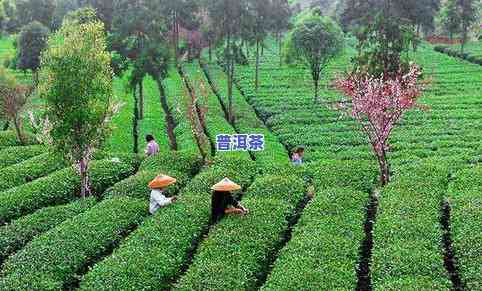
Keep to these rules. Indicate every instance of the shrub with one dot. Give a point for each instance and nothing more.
(30, 170)
(323, 251)
(465, 199)
(52, 260)
(17, 234)
(407, 235)
(60, 187)
(9, 138)
(180, 165)
(14, 155)
(239, 248)
(166, 237)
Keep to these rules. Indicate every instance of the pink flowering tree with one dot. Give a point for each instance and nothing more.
(378, 105)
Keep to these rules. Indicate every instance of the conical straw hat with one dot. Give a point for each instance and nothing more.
(226, 185)
(161, 181)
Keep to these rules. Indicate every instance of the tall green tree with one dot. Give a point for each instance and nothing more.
(315, 40)
(13, 98)
(104, 10)
(179, 13)
(140, 34)
(76, 82)
(468, 14)
(229, 17)
(34, 10)
(450, 18)
(280, 15)
(31, 42)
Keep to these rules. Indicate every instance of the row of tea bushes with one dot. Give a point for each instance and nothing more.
(324, 249)
(239, 247)
(407, 235)
(153, 255)
(62, 187)
(52, 260)
(465, 200)
(30, 170)
(246, 121)
(8, 138)
(13, 155)
(19, 232)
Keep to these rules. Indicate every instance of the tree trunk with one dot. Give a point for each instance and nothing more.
(18, 129)
(84, 177)
(135, 123)
(210, 51)
(316, 82)
(170, 122)
(280, 51)
(176, 37)
(141, 100)
(256, 82)
(384, 169)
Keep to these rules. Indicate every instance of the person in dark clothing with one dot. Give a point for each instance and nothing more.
(223, 201)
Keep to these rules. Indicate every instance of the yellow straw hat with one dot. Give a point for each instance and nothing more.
(161, 181)
(226, 185)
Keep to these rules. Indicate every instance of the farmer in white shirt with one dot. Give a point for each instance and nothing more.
(158, 199)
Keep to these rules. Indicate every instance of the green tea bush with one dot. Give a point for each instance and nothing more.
(180, 165)
(239, 247)
(61, 187)
(153, 254)
(18, 233)
(30, 170)
(16, 154)
(323, 251)
(407, 234)
(9, 138)
(465, 199)
(52, 260)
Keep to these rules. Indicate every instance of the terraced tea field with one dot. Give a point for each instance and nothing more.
(322, 226)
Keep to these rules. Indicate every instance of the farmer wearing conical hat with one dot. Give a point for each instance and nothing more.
(158, 185)
(223, 201)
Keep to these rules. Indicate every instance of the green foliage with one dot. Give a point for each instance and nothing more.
(167, 236)
(60, 187)
(239, 248)
(30, 170)
(68, 248)
(81, 16)
(9, 138)
(31, 42)
(465, 200)
(17, 154)
(315, 40)
(323, 251)
(18, 233)
(76, 82)
(27, 11)
(407, 235)
(180, 165)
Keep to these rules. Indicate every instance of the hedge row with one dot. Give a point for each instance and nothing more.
(9, 138)
(151, 257)
(324, 249)
(453, 52)
(61, 187)
(465, 198)
(181, 165)
(30, 170)
(14, 155)
(246, 120)
(238, 249)
(17, 234)
(53, 260)
(407, 235)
